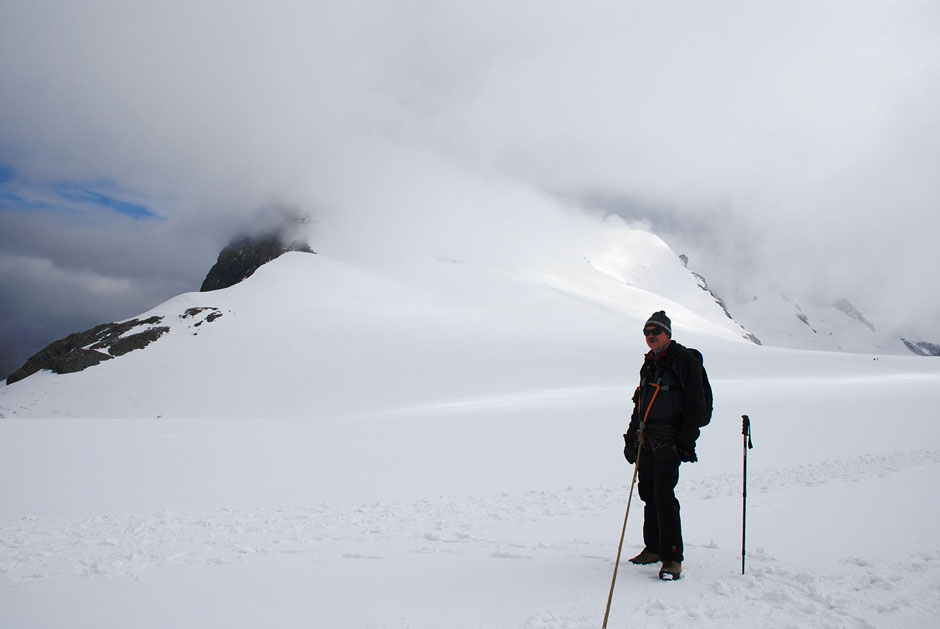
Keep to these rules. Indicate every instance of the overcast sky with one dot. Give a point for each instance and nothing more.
(795, 141)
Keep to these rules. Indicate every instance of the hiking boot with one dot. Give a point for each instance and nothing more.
(670, 570)
(645, 558)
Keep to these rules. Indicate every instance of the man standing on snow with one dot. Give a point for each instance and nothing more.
(669, 407)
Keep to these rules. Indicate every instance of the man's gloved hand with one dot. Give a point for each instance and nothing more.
(686, 453)
(629, 448)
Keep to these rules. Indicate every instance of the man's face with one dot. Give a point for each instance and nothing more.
(655, 337)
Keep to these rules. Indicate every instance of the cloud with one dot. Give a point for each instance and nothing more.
(695, 103)
(795, 140)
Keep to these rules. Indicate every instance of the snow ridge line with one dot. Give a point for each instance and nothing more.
(127, 545)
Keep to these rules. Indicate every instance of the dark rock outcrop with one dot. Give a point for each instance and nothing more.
(848, 309)
(802, 317)
(86, 349)
(922, 348)
(195, 312)
(244, 256)
(703, 284)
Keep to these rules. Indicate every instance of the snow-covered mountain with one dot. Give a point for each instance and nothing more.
(309, 330)
(424, 437)
(778, 318)
(323, 317)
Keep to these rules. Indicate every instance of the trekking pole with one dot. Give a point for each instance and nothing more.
(746, 431)
(623, 531)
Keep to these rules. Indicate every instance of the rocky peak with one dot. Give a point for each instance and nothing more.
(243, 256)
(922, 348)
(847, 308)
(81, 350)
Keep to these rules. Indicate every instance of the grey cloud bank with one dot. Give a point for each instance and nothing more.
(791, 141)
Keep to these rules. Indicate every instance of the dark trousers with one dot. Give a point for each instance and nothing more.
(658, 475)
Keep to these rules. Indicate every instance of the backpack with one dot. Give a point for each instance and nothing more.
(706, 386)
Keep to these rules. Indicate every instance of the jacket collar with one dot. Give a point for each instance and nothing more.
(657, 355)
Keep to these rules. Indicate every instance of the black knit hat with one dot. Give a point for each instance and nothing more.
(659, 320)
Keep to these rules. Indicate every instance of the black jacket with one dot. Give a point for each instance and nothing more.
(678, 408)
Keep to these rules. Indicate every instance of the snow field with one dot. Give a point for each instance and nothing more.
(496, 513)
(436, 442)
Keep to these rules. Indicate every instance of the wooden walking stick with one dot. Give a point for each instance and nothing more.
(623, 531)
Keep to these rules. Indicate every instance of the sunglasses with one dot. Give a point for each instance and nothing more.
(652, 331)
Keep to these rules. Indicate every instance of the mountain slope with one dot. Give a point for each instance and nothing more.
(321, 336)
(779, 319)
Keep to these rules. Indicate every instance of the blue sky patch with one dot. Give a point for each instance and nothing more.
(12, 200)
(72, 197)
(82, 194)
(6, 173)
